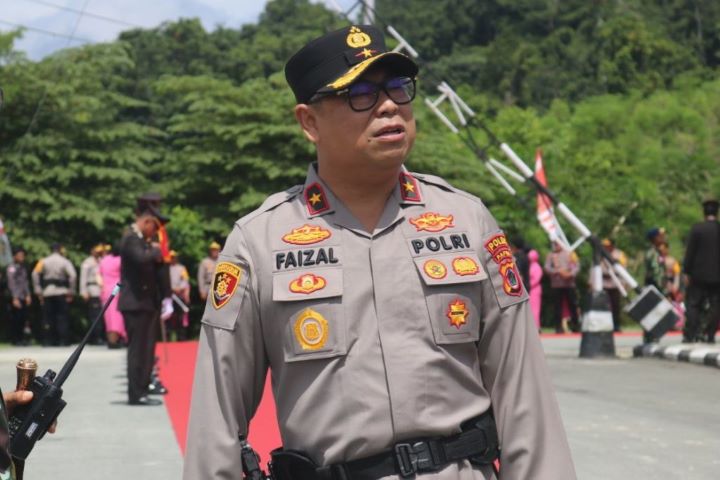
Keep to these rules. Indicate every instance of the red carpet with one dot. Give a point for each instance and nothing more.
(177, 374)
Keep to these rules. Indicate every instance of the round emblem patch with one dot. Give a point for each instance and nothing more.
(357, 38)
(435, 269)
(311, 330)
(307, 283)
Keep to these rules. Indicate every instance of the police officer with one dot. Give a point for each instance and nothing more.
(141, 269)
(54, 280)
(206, 270)
(90, 289)
(386, 303)
(20, 300)
(702, 275)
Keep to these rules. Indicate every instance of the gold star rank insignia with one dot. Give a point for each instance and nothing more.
(457, 313)
(366, 53)
(409, 190)
(315, 199)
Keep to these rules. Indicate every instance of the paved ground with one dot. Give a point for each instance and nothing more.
(627, 418)
(99, 437)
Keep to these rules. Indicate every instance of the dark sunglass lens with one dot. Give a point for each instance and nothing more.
(401, 89)
(362, 95)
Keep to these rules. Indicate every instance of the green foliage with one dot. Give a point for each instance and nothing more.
(621, 96)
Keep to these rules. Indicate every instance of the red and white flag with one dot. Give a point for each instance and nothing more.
(545, 213)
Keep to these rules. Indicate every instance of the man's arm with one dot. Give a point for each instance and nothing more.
(84, 273)
(514, 372)
(202, 274)
(229, 375)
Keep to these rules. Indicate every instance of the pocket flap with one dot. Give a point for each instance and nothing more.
(450, 268)
(307, 284)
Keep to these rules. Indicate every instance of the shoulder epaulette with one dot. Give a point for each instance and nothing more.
(442, 183)
(271, 202)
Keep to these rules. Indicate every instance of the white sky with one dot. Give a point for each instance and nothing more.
(61, 17)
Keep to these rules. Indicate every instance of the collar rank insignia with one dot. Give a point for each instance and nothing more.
(500, 252)
(225, 282)
(315, 199)
(432, 222)
(465, 266)
(306, 235)
(409, 190)
(307, 284)
(457, 313)
(311, 330)
(435, 269)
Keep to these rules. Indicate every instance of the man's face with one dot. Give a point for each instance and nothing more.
(148, 226)
(381, 136)
(214, 253)
(19, 257)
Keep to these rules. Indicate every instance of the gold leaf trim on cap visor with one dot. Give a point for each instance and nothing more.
(351, 75)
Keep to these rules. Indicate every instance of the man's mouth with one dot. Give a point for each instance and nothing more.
(390, 131)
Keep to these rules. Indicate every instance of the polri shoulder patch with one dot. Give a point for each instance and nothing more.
(500, 264)
(226, 280)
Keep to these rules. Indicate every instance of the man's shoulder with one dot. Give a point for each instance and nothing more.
(435, 182)
(271, 203)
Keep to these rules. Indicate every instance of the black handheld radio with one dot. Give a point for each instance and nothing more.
(30, 422)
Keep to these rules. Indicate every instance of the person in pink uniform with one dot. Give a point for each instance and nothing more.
(109, 271)
(536, 274)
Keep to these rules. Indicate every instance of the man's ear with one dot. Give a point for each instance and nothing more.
(306, 116)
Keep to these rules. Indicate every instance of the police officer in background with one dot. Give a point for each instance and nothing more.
(702, 276)
(20, 299)
(142, 293)
(206, 270)
(90, 289)
(386, 303)
(54, 280)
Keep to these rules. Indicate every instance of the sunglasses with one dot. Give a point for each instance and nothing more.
(363, 95)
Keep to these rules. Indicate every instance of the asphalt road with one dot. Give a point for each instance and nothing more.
(637, 418)
(626, 418)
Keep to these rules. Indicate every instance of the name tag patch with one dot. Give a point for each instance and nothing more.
(306, 258)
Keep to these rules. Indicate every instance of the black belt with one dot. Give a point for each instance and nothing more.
(477, 443)
(57, 283)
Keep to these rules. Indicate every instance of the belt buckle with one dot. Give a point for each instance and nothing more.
(413, 458)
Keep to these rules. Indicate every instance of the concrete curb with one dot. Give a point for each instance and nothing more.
(699, 353)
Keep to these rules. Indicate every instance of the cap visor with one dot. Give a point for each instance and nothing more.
(396, 61)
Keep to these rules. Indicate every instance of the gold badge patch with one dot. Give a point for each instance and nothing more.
(457, 313)
(357, 38)
(307, 283)
(225, 282)
(435, 269)
(465, 266)
(432, 222)
(311, 330)
(306, 235)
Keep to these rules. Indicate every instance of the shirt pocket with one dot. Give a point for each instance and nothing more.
(452, 295)
(308, 303)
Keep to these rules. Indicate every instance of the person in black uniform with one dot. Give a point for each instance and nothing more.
(702, 275)
(142, 267)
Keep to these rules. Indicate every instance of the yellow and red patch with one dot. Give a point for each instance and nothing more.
(307, 284)
(499, 250)
(435, 269)
(457, 313)
(225, 282)
(432, 222)
(306, 235)
(315, 199)
(465, 266)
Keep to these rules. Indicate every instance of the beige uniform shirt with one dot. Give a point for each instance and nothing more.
(372, 338)
(90, 281)
(205, 275)
(54, 275)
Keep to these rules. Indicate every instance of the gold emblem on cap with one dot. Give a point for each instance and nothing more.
(357, 38)
(311, 330)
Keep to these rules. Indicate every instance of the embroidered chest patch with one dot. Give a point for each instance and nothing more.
(499, 250)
